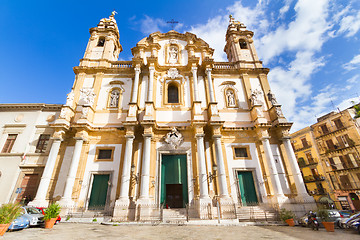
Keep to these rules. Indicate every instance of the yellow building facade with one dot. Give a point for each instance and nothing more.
(328, 155)
(172, 128)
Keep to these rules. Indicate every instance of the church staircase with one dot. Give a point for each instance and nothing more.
(174, 215)
(256, 214)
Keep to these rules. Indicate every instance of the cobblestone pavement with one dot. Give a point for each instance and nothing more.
(97, 231)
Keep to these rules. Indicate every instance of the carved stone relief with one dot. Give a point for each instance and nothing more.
(174, 138)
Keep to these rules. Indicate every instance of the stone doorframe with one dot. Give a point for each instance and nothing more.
(256, 183)
(180, 151)
(108, 194)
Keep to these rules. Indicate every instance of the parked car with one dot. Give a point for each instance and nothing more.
(58, 219)
(19, 223)
(356, 225)
(347, 222)
(34, 215)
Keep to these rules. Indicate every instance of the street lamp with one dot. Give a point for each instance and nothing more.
(135, 176)
(212, 176)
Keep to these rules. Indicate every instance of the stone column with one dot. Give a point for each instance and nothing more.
(40, 198)
(125, 177)
(66, 200)
(145, 169)
(196, 92)
(221, 168)
(211, 90)
(151, 84)
(272, 168)
(136, 85)
(204, 192)
(299, 182)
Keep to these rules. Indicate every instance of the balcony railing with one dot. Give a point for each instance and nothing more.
(220, 65)
(316, 178)
(345, 165)
(309, 162)
(303, 146)
(122, 64)
(330, 129)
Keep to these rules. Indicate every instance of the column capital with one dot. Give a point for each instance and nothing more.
(208, 70)
(80, 138)
(151, 68)
(137, 69)
(145, 135)
(217, 136)
(199, 135)
(132, 137)
(193, 69)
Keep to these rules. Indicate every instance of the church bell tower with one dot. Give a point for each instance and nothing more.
(103, 45)
(240, 45)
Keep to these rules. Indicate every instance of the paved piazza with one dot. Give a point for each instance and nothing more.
(97, 231)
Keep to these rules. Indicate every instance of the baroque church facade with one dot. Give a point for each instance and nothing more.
(172, 128)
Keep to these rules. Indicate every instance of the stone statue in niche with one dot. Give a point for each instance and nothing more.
(70, 98)
(63, 112)
(87, 95)
(84, 112)
(114, 98)
(230, 96)
(173, 54)
(174, 138)
(279, 112)
(256, 97)
(271, 98)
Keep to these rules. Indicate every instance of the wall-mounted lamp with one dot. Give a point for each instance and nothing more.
(153, 183)
(135, 176)
(212, 176)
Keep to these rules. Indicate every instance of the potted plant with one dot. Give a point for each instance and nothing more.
(51, 214)
(8, 213)
(324, 215)
(287, 216)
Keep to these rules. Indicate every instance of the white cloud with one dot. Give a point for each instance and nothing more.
(306, 32)
(149, 25)
(213, 32)
(353, 64)
(350, 24)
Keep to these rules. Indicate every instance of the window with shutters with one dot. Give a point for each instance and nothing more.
(42, 143)
(173, 93)
(345, 182)
(9, 143)
(338, 123)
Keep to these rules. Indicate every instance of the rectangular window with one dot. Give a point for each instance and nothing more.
(304, 142)
(104, 154)
(42, 143)
(345, 182)
(9, 143)
(338, 123)
(343, 162)
(241, 152)
(332, 164)
(330, 144)
(324, 129)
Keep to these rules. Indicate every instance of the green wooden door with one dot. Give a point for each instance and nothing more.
(247, 188)
(99, 191)
(174, 177)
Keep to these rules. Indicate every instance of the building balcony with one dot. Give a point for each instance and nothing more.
(349, 186)
(318, 192)
(300, 147)
(338, 148)
(345, 166)
(333, 129)
(309, 179)
(311, 162)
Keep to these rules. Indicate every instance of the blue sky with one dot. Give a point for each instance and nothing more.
(312, 47)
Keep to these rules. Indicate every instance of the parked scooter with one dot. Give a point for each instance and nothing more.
(312, 221)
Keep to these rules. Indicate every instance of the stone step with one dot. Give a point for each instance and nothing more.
(256, 213)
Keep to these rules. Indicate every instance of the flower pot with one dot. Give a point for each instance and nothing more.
(329, 226)
(50, 223)
(4, 228)
(290, 222)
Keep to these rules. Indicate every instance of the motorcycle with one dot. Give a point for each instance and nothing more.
(312, 221)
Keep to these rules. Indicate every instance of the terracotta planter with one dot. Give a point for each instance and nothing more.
(290, 222)
(329, 226)
(50, 223)
(3, 228)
